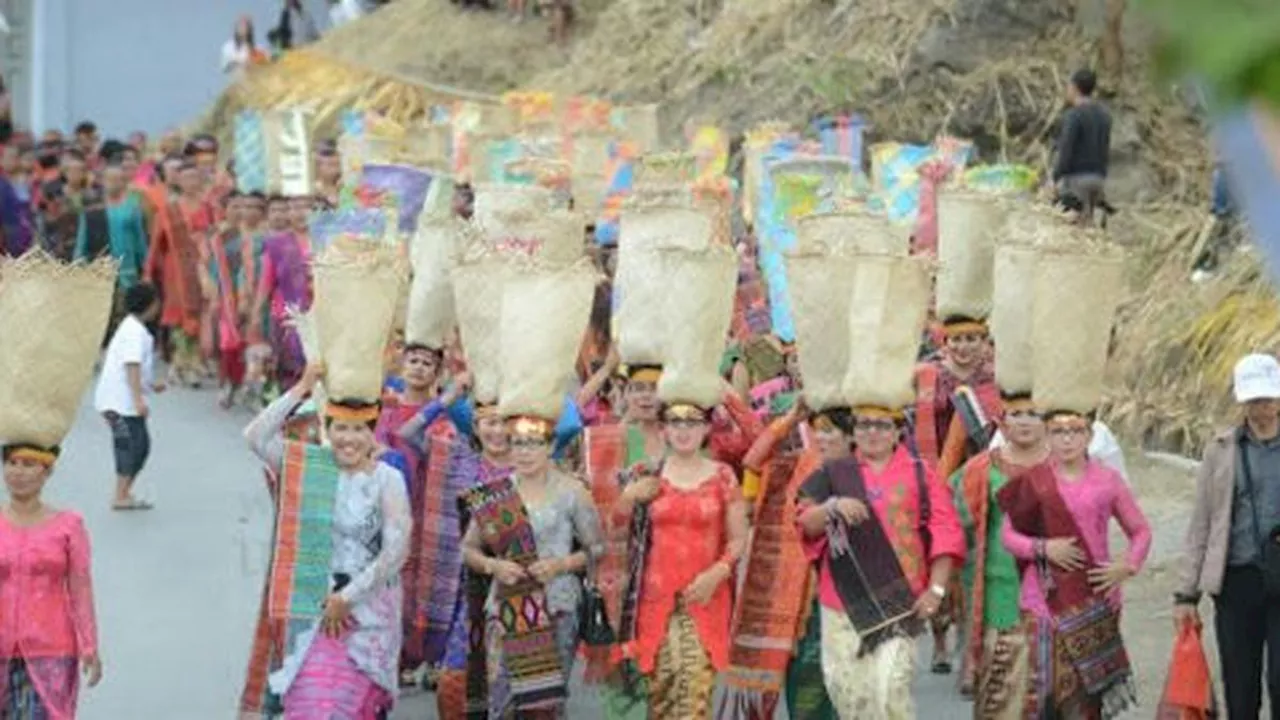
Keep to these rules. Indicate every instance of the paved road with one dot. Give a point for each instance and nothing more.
(177, 587)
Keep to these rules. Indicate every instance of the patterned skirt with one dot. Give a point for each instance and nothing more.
(806, 694)
(500, 696)
(876, 685)
(683, 679)
(1000, 692)
(21, 699)
(329, 685)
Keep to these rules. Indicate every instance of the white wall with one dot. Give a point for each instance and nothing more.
(136, 64)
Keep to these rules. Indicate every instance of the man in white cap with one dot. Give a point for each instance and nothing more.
(1229, 551)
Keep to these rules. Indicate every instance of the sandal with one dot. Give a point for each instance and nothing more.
(941, 666)
(132, 505)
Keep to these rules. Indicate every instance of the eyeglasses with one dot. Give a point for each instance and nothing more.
(880, 425)
(1069, 431)
(528, 443)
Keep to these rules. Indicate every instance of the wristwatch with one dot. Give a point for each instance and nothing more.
(939, 590)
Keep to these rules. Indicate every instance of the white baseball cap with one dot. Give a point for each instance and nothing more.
(1257, 377)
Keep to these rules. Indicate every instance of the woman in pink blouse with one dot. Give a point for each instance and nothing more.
(1056, 523)
(47, 629)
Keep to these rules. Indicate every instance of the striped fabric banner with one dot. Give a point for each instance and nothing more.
(301, 574)
(250, 152)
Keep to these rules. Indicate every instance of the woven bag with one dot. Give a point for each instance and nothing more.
(665, 168)
(550, 237)
(543, 320)
(493, 199)
(699, 308)
(820, 285)
(851, 231)
(1077, 291)
(641, 282)
(52, 317)
(967, 230)
(357, 293)
(889, 304)
(1032, 222)
(589, 163)
(1010, 322)
(477, 293)
(431, 314)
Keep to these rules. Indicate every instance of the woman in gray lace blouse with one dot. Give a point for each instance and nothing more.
(533, 533)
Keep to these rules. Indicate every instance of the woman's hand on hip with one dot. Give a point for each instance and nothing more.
(91, 666)
(337, 615)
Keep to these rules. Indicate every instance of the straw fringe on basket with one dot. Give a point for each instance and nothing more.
(477, 292)
(890, 302)
(493, 199)
(1076, 295)
(544, 316)
(549, 237)
(820, 285)
(848, 231)
(304, 324)
(53, 316)
(357, 293)
(699, 306)
(666, 168)
(1014, 279)
(642, 280)
(967, 223)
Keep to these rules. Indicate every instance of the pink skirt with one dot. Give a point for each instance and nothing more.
(329, 685)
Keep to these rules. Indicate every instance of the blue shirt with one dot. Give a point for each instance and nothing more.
(127, 235)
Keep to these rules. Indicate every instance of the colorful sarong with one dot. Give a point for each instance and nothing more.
(329, 685)
(452, 468)
(806, 692)
(605, 449)
(626, 696)
(771, 604)
(529, 652)
(301, 572)
(1000, 690)
(55, 698)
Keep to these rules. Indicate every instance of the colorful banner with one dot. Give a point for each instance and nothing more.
(621, 175)
(407, 185)
(326, 226)
(351, 143)
(774, 237)
(250, 153)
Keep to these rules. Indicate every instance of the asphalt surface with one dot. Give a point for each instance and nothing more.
(177, 587)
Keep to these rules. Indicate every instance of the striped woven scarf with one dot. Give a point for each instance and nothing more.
(452, 468)
(301, 573)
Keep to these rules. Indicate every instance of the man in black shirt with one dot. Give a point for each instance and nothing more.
(1080, 173)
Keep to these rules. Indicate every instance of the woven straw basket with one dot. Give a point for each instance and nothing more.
(1076, 296)
(851, 231)
(649, 194)
(431, 314)
(667, 168)
(820, 285)
(544, 317)
(642, 282)
(477, 293)
(699, 308)
(1010, 322)
(357, 293)
(889, 304)
(1031, 222)
(589, 161)
(967, 228)
(639, 124)
(495, 198)
(305, 325)
(52, 316)
(550, 237)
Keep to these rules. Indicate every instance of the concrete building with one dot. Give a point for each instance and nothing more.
(125, 64)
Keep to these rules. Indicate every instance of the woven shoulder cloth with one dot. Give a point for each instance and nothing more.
(926, 441)
(301, 570)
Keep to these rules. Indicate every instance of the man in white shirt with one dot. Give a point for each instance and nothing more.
(121, 396)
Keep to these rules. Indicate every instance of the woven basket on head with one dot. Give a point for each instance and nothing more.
(477, 293)
(544, 317)
(494, 198)
(820, 285)
(852, 230)
(889, 304)
(550, 237)
(1014, 279)
(430, 312)
(967, 228)
(589, 161)
(665, 168)
(52, 316)
(639, 124)
(1031, 221)
(699, 308)
(357, 293)
(1077, 292)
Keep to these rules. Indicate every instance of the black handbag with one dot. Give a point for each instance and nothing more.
(1268, 544)
(593, 620)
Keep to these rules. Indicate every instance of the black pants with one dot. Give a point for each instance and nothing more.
(1246, 622)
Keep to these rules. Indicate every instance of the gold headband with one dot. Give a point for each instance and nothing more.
(1069, 420)
(646, 375)
(878, 412)
(526, 426)
(44, 457)
(685, 411)
(342, 413)
(965, 327)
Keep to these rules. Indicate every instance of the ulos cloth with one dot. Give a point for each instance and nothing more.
(131, 344)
